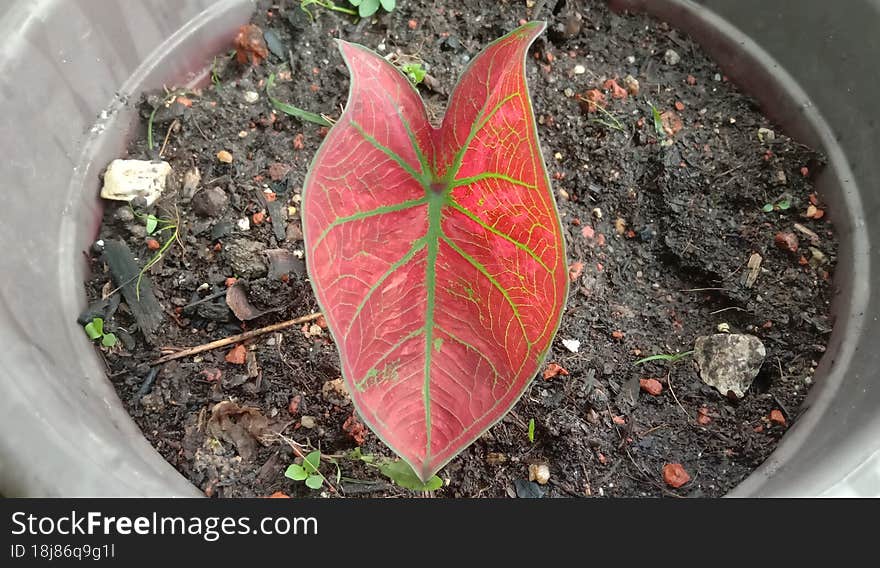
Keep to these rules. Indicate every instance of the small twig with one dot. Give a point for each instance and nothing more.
(725, 173)
(654, 429)
(207, 298)
(648, 476)
(728, 308)
(236, 338)
(704, 289)
(167, 136)
(781, 406)
(781, 374)
(199, 128)
(672, 391)
(121, 286)
(611, 415)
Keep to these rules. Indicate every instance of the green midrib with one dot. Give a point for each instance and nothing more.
(435, 209)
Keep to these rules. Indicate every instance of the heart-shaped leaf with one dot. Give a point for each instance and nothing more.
(296, 472)
(108, 340)
(314, 481)
(312, 461)
(152, 224)
(366, 8)
(436, 253)
(95, 328)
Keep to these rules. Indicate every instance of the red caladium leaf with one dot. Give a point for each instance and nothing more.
(436, 253)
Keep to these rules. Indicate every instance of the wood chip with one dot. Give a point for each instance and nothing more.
(751, 276)
(814, 238)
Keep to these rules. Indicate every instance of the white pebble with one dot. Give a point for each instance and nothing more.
(126, 179)
(579, 69)
(244, 224)
(251, 97)
(572, 345)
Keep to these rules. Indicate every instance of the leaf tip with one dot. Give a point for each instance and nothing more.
(424, 472)
(533, 28)
(347, 48)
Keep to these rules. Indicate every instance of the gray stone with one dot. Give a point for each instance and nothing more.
(214, 311)
(728, 361)
(222, 229)
(308, 422)
(451, 44)
(671, 57)
(210, 202)
(246, 258)
(597, 398)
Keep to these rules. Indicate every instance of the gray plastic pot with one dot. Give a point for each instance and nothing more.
(68, 67)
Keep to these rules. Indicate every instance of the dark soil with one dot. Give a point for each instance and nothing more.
(664, 231)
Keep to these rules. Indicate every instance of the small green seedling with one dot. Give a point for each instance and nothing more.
(671, 359)
(152, 223)
(367, 8)
(358, 455)
(402, 474)
(781, 205)
(155, 225)
(291, 110)
(169, 98)
(658, 121)
(308, 471)
(612, 122)
(414, 71)
(328, 4)
(215, 77)
(95, 330)
(532, 430)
